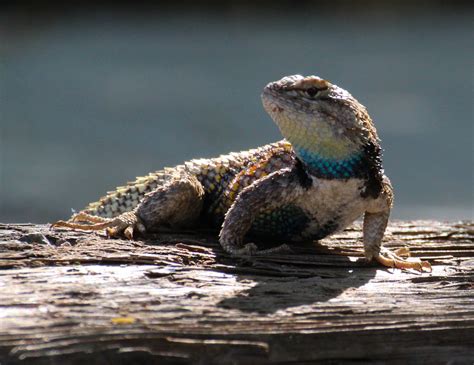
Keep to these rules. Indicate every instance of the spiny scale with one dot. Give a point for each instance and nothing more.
(255, 170)
(126, 198)
(236, 170)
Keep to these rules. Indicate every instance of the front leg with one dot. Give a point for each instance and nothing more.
(374, 229)
(275, 190)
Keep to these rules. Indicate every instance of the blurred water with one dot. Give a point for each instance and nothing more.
(90, 102)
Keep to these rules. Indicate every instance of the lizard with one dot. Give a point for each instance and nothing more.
(326, 173)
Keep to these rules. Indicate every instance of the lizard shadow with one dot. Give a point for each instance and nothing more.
(311, 274)
(308, 276)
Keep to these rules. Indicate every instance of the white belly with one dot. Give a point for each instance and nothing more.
(332, 205)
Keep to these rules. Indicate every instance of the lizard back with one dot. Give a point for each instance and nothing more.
(222, 179)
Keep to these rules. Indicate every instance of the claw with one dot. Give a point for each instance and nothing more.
(284, 248)
(128, 232)
(123, 225)
(84, 217)
(250, 249)
(402, 252)
(393, 259)
(141, 228)
(86, 227)
(111, 232)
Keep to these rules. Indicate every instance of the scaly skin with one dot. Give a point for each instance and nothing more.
(326, 173)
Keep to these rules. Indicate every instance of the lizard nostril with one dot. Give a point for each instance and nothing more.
(272, 86)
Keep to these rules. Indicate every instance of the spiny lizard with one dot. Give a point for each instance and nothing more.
(325, 174)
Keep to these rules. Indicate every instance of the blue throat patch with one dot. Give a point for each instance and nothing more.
(331, 168)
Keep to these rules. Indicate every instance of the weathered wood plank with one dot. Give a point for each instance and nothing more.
(71, 297)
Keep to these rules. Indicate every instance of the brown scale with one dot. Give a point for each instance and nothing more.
(261, 167)
(218, 174)
(215, 181)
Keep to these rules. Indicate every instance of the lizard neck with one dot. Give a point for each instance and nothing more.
(325, 152)
(364, 164)
(329, 167)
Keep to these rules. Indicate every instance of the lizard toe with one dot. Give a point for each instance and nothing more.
(140, 228)
(402, 252)
(128, 232)
(284, 248)
(82, 226)
(248, 249)
(392, 259)
(88, 218)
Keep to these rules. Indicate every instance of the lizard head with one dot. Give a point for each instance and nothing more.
(323, 122)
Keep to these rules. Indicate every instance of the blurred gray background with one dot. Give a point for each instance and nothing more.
(93, 96)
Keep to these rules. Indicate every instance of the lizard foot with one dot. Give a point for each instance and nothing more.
(251, 249)
(401, 259)
(278, 249)
(89, 218)
(123, 225)
(247, 250)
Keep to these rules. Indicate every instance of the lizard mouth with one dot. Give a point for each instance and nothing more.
(270, 100)
(277, 109)
(270, 103)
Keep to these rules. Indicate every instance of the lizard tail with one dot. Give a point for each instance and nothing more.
(126, 198)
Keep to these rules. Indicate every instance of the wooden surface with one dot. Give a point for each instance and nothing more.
(74, 297)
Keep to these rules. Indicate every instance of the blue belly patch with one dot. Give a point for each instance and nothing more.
(283, 223)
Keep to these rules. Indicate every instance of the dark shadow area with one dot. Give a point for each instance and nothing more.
(311, 273)
(295, 279)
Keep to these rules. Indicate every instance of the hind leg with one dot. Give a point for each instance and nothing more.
(125, 223)
(178, 203)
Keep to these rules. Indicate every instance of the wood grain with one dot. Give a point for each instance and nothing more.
(73, 297)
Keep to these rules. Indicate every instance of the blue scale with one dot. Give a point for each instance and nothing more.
(329, 167)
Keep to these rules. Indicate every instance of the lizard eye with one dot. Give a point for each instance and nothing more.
(312, 91)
